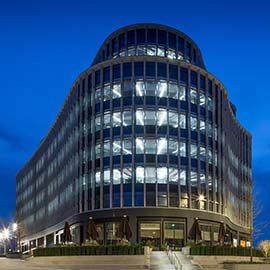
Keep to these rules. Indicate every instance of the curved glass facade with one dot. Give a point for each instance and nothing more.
(138, 133)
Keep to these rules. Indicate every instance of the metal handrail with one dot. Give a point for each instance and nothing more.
(174, 259)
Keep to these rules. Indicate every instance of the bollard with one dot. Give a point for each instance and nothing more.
(147, 256)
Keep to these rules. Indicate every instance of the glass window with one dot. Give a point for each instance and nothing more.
(162, 117)
(150, 118)
(202, 179)
(151, 50)
(193, 150)
(127, 70)
(97, 123)
(150, 69)
(127, 118)
(116, 71)
(107, 93)
(161, 89)
(106, 149)
(173, 70)
(140, 117)
(150, 175)
(150, 146)
(162, 37)
(116, 176)
(173, 119)
(140, 175)
(138, 69)
(210, 104)
(127, 147)
(140, 88)
(162, 70)
(116, 91)
(97, 179)
(215, 133)
(193, 179)
(173, 175)
(116, 119)
(182, 92)
(161, 146)
(193, 123)
(210, 156)
(162, 175)
(139, 146)
(171, 54)
(116, 148)
(184, 75)
(202, 126)
(173, 147)
(127, 175)
(183, 121)
(98, 95)
(151, 36)
(202, 99)
(202, 153)
(216, 159)
(210, 129)
(173, 90)
(107, 120)
(97, 151)
(106, 74)
(141, 50)
(183, 152)
(193, 96)
(107, 177)
(140, 35)
(193, 77)
(183, 177)
(160, 51)
(150, 88)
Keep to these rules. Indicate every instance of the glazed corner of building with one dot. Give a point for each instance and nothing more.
(153, 78)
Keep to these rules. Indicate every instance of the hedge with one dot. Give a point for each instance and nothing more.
(89, 250)
(229, 251)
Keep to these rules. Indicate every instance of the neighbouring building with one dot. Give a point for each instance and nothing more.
(146, 131)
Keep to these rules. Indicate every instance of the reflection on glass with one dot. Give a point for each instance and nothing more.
(150, 118)
(140, 88)
(183, 121)
(173, 175)
(97, 179)
(127, 175)
(193, 150)
(116, 148)
(150, 146)
(116, 176)
(182, 149)
(150, 175)
(127, 147)
(107, 120)
(116, 119)
(193, 96)
(193, 123)
(183, 177)
(202, 99)
(97, 151)
(116, 91)
(162, 175)
(173, 91)
(107, 93)
(173, 119)
(193, 179)
(162, 117)
(140, 175)
(97, 123)
(161, 146)
(140, 117)
(182, 93)
(202, 153)
(139, 146)
(162, 89)
(202, 126)
(173, 147)
(106, 149)
(106, 177)
(127, 118)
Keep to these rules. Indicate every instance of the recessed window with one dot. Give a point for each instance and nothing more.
(162, 175)
(106, 74)
(162, 70)
(162, 118)
(162, 88)
(173, 72)
(130, 38)
(150, 146)
(173, 119)
(116, 91)
(140, 175)
(161, 146)
(162, 37)
(139, 146)
(150, 69)
(116, 71)
(150, 175)
(193, 123)
(127, 70)
(138, 69)
(173, 147)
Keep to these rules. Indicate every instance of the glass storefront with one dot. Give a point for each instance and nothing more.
(150, 231)
(174, 234)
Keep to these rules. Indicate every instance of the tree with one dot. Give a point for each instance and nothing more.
(264, 246)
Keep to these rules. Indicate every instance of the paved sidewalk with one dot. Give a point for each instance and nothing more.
(160, 261)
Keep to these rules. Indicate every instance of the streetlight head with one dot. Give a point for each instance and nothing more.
(14, 227)
(6, 233)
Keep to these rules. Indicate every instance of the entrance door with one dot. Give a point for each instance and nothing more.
(150, 231)
(174, 234)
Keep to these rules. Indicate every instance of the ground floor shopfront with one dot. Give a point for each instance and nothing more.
(158, 225)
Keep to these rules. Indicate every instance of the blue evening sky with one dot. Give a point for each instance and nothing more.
(45, 45)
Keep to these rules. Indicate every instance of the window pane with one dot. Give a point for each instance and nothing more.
(138, 69)
(97, 179)
(97, 123)
(193, 96)
(193, 123)
(173, 175)
(150, 88)
(202, 153)
(116, 92)
(140, 88)
(183, 178)
(127, 69)
(107, 177)
(202, 99)
(150, 69)
(183, 121)
(210, 156)
(140, 118)
(182, 93)
(150, 118)
(162, 117)
(162, 89)
(107, 93)
(173, 147)
(173, 90)
(116, 176)
(210, 104)
(202, 126)
(150, 146)
(161, 146)
(182, 149)
(98, 95)
(151, 50)
(140, 175)
(116, 121)
(139, 146)
(106, 149)
(193, 151)
(127, 175)
(116, 148)
(127, 120)
(173, 119)
(127, 147)
(193, 179)
(97, 151)
(107, 120)
(210, 130)
(162, 174)
(150, 175)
